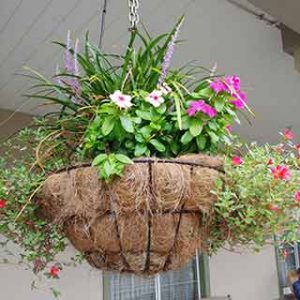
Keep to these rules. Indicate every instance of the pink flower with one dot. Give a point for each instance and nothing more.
(297, 197)
(123, 101)
(236, 160)
(155, 98)
(2, 203)
(279, 148)
(200, 105)
(288, 134)
(274, 207)
(54, 272)
(270, 162)
(234, 82)
(218, 86)
(281, 172)
(239, 99)
(229, 128)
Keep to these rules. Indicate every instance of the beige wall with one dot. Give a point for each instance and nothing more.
(80, 283)
(245, 275)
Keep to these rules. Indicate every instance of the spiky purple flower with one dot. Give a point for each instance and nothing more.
(169, 54)
(68, 59)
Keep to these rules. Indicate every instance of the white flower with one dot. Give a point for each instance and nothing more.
(155, 98)
(123, 101)
(165, 89)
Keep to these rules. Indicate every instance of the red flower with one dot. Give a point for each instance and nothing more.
(270, 162)
(285, 253)
(274, 207)
(281, 172)
(288, 134)
(236, 160)
(298, 148)
(2, 203)
(54, 272)
(297, 197)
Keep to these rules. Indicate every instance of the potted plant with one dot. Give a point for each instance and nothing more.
(138, 166)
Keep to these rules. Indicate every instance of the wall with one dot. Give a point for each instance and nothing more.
(244, 275)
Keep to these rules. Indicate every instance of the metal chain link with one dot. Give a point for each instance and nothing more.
(134, 18)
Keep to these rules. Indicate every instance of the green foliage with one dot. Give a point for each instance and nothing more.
(252, 205)
(97, 125)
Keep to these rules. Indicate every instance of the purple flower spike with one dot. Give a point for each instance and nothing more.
(68, 59)
(168, 55)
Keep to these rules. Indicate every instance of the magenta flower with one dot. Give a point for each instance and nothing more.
(218, 86)
(239, 100)
(233, 82)
(297, 197)
(281, 172)
(229, 128)
(200, 105)
(236, 160)
(288, 134)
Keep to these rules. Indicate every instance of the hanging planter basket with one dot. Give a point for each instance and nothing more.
(147, 221)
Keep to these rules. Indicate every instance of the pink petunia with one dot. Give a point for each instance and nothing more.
(281, 172)
(297, 197)
(201, 106)
(288, 134)
(236, 160)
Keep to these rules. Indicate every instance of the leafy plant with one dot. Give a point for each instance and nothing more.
(135, 105)
(258, 198)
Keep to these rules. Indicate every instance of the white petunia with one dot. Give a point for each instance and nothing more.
(155, 98)
(123, 101)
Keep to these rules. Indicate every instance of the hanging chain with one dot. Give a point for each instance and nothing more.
(134, 18)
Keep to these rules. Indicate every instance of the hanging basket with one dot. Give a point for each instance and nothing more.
(148, 221)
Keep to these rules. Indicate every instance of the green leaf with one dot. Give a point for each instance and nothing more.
(140, 149)
(108, 126)
(161, 109)
(127, 123)
(196, 127)
(213, 136)
(186, 138)
(99, 159)
(123, 159)
(219, 104)
(145, 115)
(201, 142)
(158, 145)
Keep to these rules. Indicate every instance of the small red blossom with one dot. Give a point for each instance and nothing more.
(297, 147)
(285, 253)
(281, 172)
(270, 162)
(288, 134)
(274, 207)
(229, 128)
(54, 272)
(297, 197)
(2, 203)
(236, 160)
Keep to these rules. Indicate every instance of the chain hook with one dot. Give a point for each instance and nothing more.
(134, 17)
